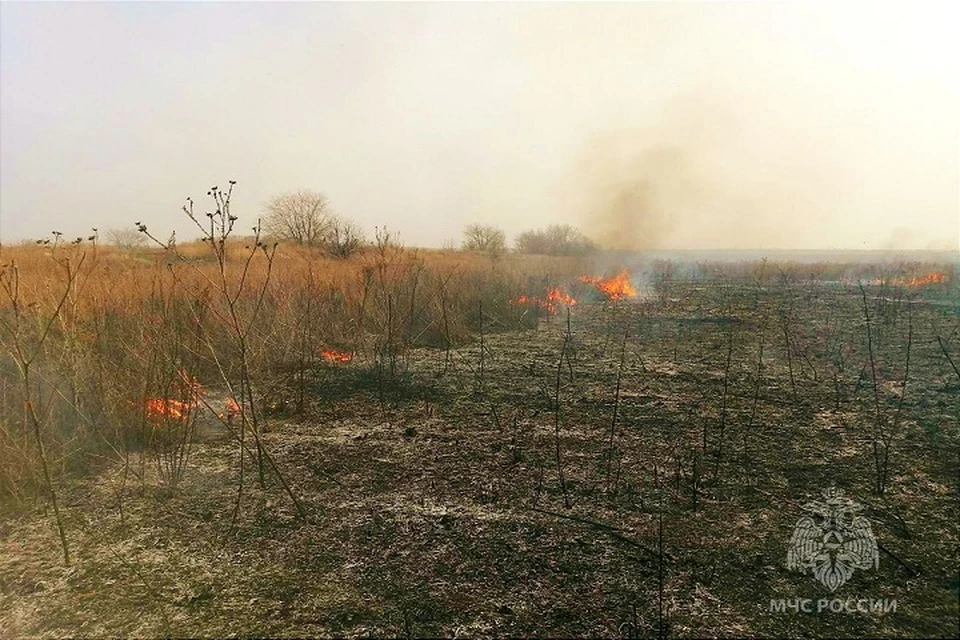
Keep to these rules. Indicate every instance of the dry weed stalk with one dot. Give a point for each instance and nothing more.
(616, 409)
(233, 297)
(882, 436)
(556, 418)
(25, 334)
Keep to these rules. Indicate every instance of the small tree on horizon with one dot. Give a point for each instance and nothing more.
(307, 218)
(555, 240)
(126, 238)
(484, 237)
(303, 216)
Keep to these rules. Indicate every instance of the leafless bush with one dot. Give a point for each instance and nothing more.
(237, 302)
(344, 239)
(555, 240)
(484, 237)
(304, 216)
(307, 218)
(126, 238)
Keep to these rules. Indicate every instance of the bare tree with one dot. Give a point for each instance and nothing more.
(303, 216)
(126, 238)
(483, 237)
(555, 240)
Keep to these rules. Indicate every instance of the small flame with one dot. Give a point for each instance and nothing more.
(615, 288)
(557, 298)
(930, 278)
(331, 355)
(933, 277)
(232, 407)
(167, 408)
(552, 301)
(189, 390)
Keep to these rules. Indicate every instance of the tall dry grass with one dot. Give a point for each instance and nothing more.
(106, 354)
(133, 323)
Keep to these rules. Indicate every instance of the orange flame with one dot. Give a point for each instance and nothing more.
(615, 288)
(933, 277)
(171, 409)
(331, 355)
(930, 278)
(232, 407)
(554, 299)
(166, 408)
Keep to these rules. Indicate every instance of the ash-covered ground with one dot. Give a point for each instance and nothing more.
(632, 468)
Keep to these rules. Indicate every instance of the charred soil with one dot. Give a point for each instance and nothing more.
(628, 468)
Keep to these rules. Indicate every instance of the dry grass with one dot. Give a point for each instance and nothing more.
(434, 506)
(132, 320)
(421, 469)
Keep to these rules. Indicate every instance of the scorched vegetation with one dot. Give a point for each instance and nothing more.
(231, 437)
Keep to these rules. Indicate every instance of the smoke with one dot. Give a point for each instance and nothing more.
(640, 200)
(649, 125)
(690, 180)
(714, 172)
(783, 137)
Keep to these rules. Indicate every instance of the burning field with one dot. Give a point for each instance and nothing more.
(616, 288)
(566, 320)
(609, 289)
(575, 451)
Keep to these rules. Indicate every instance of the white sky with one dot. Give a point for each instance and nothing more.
(670, 125)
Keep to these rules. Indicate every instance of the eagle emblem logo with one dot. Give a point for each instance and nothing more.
(833, 540)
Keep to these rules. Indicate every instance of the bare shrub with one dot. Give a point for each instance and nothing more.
(344, 239)
(304, 216)
(126, 238)
(307, 218)
(555, 240)
(484, 237)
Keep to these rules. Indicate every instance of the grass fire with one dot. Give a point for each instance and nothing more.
(615, 288)
(470, 421)
(332, 355)
(551, 301)
(923, 280)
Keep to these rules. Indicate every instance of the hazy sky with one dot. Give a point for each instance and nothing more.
(668, 125)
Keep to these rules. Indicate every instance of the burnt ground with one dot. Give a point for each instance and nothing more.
(434, 506)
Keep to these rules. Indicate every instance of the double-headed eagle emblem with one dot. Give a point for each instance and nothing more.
(833, 540)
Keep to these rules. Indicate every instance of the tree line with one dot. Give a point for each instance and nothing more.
(307, 218)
